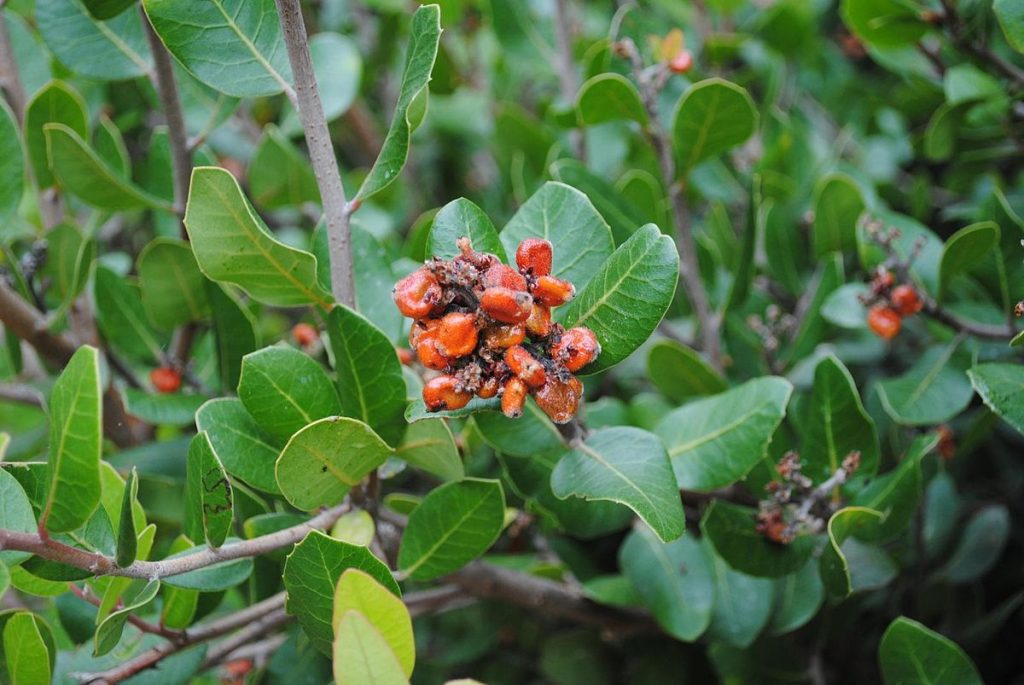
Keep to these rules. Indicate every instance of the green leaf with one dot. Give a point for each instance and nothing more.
(827, 279)
(76, 438)
(581, 240)
(12, 164)
(531, 434)
(209, 499)
(673, 579)
(934, 390)
(731, 529)
(107, 9)
(456, 523)
(756, 225)
(896, 494)
(461, 218)
(69, 258)
(716, 441)
(625, 465)
(215, 578)
(112, 50)
(838, 205)
(109, 145)
(326, 459)
(884, 23)
(108, 634)
(966, 249)
(416, 411)
(127, 541)
(798, 596)
(1000, 386)
(173, 289)
(1011, 18)
(844, 308)
(847, 522)
(837, 424)
(981, 545)
(5, 579)
(122, 318)
(311, 574)
(15, 514)
(239, 442)
(179, 605)
(623, 212)
(609, 97)
(711, 117)
(362, 656)
(279, 176)
(284, 390)
(235, 333)
(430, 446)
(628, 296)
(680, 373)
(743, 604)
(911, 654)
(356, 527)
(232, 244)
(25, 652)
(233, 46)
(358, 591)
(424, 37)
(370, 383)
(59, 103)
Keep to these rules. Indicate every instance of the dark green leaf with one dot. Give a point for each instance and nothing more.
(122, 318)
(12, 164)
(847, 522)
(911, 654)
(743, 604)
(896, 493)
(884, 23)
(108, 634)
(837, 207)
(731, 528)
(711, 117)
(57, 103)
(461, 218)
(235, 333)
(430, 446)
(208, 494)
(608, 97)
(279, 176)
(173, 289)
(934, 390)
(239, 442)
(127, 541)
(680, 373)
(966, 249)
(1011, 18)
(798, 597)
(103, 50)
(1000, 387)
(622, 212)
(981, 544)
(107, 9)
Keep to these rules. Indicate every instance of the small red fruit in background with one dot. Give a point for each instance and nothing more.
(905, 300)
(304, 334)
(165, 379)
(682, 62)
(885, 322)
(533, 256)
(947, 443)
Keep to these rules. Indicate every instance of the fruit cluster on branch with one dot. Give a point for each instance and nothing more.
(488, 329)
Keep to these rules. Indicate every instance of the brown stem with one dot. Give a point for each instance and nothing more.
(978, 330)
(140, 623)
(10, 80)
(28, 324)
(321, 151)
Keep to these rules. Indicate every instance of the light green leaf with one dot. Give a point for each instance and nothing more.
(356, 527)
(358, 591)
(715, 441)
(122, 318)
(112, 50)
(712, 117)
(455, 523)
(424, 36)
(233, 46)
(1011, 18)
(284, 390)
(798, 596)
(235, 333)
(673, 579)
(580, 238)
(1001, 387)
(884, 23)
(628, 296)
(461, 218)
(69, 258)
(680, 373)
(173, 289)
(966, 249)
(430, 446)
(895, 494)
(844, 308)
(416, 411)
(608, 97)
(370, 383)
(933, 391)
(311, 574)
(911, 654)
(108, 143)
(59, 103)
(731, 529)
(239, 442)
(108, 634)
(25, 651)
(743, 604)
(326, 459)
(838, 205)
(12, 164)
(162, 409)
(279, 176)
(362, 656)
(626, 465)
(847, 522)
(15, 514)
(75, 443)
(127, 540)
(209, 499)
(232, 244)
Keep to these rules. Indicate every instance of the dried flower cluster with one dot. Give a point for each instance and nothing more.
(487, 328)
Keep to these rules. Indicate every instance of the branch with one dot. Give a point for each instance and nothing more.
(978, 330)
(566, 70)
(28, 324)
(140, 623)
(957, 31)
(10, 81)
(321, 151)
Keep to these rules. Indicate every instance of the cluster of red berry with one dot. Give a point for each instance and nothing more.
(488, 329)
(890, 303)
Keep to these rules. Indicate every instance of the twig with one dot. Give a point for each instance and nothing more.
(267, 624)
(140, 623)
(954, 21)
(259, 652)
(10, 80)
(28, 324)
(22, 394)
(321, 151)
(567, 70)
(978, 330)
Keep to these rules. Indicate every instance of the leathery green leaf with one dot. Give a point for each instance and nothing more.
(358, 591)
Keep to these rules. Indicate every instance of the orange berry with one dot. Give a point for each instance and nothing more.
(506, 305)
(514, 397)
(947, 443)
(524, 365)
(427, 352)
(885, 322)
(500, 275)
(419, 327)
(456, 336)
(405, 356)
(682, 62)
(534, 256)
(500, 336)
(576, 348)
(165, 379)
(489, 388)
(539, 323)
(558, 400)
(304, 334)
(417, 294)
(443, 392)
(553, 292)
(905, 300)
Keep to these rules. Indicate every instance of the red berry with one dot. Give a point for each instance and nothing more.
(559, 400)
(576, 348)
(534, 256)
(417, 294)
(905, 300)
(553, 292)
(456, 336)
(514, 397)
(503, 276)
(682, 62)
(304, 334)
(427, 352)
(524, 365)
(165, 379)
(885, 322)
(539, 323)
(501, 336)
(506, 305)
(489, 388)
(443, 392)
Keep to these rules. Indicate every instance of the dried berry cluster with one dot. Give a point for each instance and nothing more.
(795, 505)
(488, 329)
